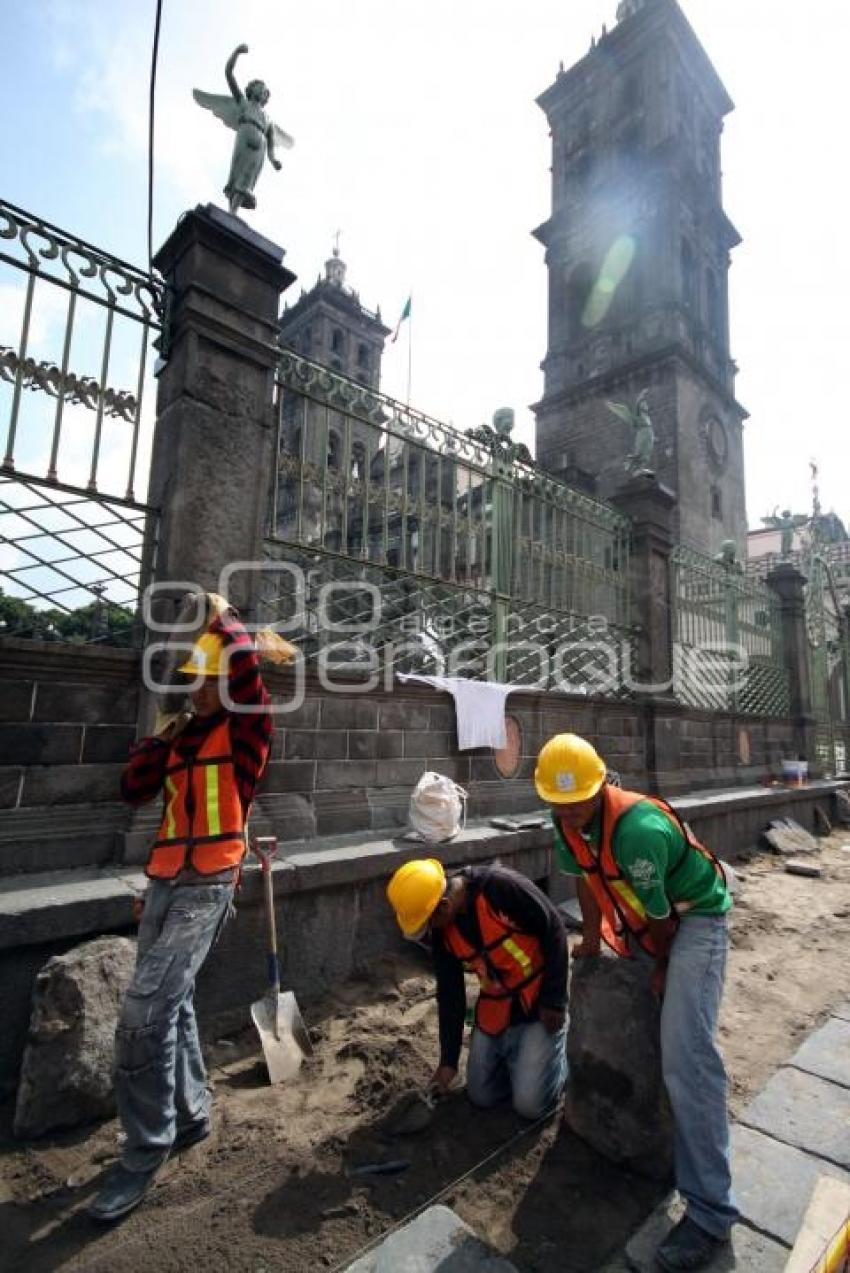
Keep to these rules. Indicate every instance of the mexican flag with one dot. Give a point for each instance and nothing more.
(405, 313)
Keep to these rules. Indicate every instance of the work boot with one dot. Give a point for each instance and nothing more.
(191, 1135)
(121, 1192)
(688, 1247)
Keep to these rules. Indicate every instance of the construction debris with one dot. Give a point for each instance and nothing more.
(809, 869)
(784, 835)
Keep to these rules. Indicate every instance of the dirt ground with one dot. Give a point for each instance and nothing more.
(273, 1188)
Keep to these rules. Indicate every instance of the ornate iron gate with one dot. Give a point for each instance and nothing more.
(76, 329)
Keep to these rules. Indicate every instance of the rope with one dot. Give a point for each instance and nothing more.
(412, 1215)
(151, 104)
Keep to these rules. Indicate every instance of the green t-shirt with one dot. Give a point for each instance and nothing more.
(656, 859)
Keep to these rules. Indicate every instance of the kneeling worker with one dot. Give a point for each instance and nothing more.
(645, 883)
(497, 924)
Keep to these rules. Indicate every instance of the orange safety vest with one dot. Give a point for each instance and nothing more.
(203, 825)
(623, 913)
(508, 965)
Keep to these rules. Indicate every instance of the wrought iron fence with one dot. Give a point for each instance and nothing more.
(728, 649)
(829, 654)
(77, 327)
(476, 562)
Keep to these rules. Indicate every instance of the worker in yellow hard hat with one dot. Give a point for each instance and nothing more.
(648, 888)
(206, 763)
(497, 924)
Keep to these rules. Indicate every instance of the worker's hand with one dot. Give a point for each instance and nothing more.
(659, 979)
(587, 947)
(442, 1079)
(138, 909)
(175, 727)
(553, 1019)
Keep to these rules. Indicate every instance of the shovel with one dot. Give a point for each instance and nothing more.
(282, 1032)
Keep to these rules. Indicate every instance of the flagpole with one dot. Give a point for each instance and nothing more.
(409, 353)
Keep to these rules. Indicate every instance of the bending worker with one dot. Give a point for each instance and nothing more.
(645, 884)
(207, 763)
(497, 924)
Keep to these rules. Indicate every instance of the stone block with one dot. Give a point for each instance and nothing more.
(10, 786)
(402, 714)
(72, 784)
(25, 743)
(435, 1240)
(397, 773)
(88, 704)
(426, 743)
(388, 808)
(482, 768)
(826, 1053)
(748, 1251)
(616, 1099)
(15, 700)
(290, 816)
(804, 1111)
(338, 812)
(305, 744)
(331, 775)
(774, 1182)
(306, 716)
(362, 745)
(107, 742)
(66, 1076)
(390, 744)
(454, 767)
(443, 718)
(349, 713)
(289, 775)
(843, 1011)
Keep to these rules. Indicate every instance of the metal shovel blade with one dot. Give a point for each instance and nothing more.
(282, 1033)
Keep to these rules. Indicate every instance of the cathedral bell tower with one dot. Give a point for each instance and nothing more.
(638, 253)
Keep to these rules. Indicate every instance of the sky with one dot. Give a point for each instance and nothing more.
(418, 137)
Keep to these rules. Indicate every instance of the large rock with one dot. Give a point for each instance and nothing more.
(616, 1099)
(66, 1076)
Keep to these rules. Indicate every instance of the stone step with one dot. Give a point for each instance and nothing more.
(60, 837)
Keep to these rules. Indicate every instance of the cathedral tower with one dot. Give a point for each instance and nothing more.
(637, 249)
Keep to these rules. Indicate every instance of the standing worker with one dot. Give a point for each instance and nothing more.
(645, 883)
(207, 764)
(495, 923)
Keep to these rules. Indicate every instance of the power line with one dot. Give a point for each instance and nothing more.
(151, 102)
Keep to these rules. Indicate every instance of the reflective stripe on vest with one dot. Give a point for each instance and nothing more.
(623, 913)
(508, 965)
(203, 822)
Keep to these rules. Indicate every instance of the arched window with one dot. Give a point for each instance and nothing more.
(579, 286)
(714, 317)
(358, 461)
(337, 340)
(689, 279)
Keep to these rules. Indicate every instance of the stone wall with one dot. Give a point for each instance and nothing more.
(67, 717)
(343, 761)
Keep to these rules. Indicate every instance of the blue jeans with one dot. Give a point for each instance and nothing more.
(694, 1073)
(160, 1079)
(525, 1063)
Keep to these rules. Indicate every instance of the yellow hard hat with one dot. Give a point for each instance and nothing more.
(205, 659)
(568, 770)
(414, 891)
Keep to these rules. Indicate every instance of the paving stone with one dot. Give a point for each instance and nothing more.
(748, 1250)
(827, 1052)
(843, 1012)
(805, 1111)
(436, 1240)
(774, 1182)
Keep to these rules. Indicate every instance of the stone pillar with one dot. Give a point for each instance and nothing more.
(651, 508)
(788, 584)
(213, 444)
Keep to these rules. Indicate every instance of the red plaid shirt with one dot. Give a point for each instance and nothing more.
(250, 732)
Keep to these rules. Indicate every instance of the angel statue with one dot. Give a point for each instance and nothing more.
(787, 523)
(639, 459)
(255, 132)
